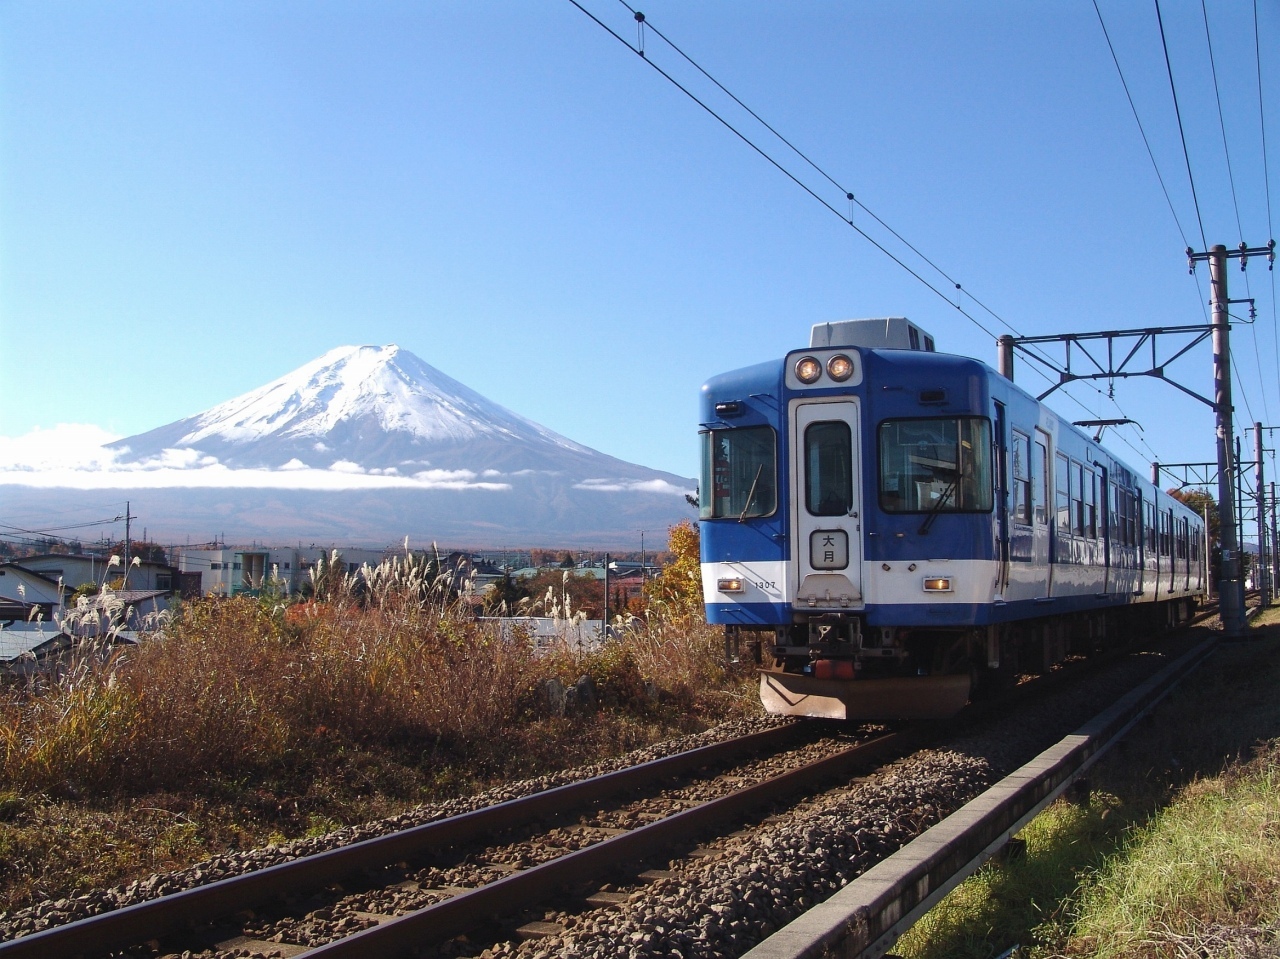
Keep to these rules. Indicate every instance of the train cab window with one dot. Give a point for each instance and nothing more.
(828, 469)
(1022, 488)
(936, 465)
(1062, 489)
(739, 473)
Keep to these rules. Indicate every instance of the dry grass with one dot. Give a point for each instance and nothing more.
(245, 720)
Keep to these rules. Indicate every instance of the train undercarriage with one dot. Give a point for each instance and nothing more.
(833, 666)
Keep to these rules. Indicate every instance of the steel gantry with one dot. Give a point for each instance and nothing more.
(1084, 361)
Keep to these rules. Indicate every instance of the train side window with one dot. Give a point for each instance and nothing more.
(1062, 486)
(1021, 506)
(1112, 519)
(828, 469)
(739, 473)
(1040, 481)
(1091, 505)
(1077, 499)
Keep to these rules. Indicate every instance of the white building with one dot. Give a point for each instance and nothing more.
(75, 571)
(232, 570)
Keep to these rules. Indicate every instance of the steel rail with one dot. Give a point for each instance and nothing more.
(203, 905)
(467, 911)
(866, 917)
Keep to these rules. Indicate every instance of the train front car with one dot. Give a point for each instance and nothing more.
(847, 522)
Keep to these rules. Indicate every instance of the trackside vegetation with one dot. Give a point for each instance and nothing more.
(1176, 854)
(243, 721)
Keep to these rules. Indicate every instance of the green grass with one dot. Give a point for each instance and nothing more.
(1177, 854)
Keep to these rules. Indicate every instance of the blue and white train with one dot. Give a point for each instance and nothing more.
(886, 527)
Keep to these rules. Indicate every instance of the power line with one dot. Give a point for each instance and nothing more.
(55, 529)
(849, 195)
(1138, 121)
(639, 49)
(1240, 387)
(1266, 176)
(1235, 202)
(1186, 155)
(1222, 123)
(783, 170)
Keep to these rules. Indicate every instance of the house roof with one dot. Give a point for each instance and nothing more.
(139, 595)
(52, 581)
(22, 638)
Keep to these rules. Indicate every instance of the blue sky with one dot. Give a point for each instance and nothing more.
(197, 198)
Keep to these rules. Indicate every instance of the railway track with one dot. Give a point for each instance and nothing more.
(440, 880)
(526, 868)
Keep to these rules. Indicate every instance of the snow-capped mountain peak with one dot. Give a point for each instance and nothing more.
(378, 406)
(380, 385)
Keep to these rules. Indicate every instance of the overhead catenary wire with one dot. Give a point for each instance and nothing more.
(1133, 107)
(1222, 123)
(1266, 177)
(1173, 89)
(643, 23)
(848, 221)
(638, 49)
(849, 194)
(1235, 202)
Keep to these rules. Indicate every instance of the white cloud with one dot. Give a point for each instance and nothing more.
(68, 445)
(74, 456)
(631, 486)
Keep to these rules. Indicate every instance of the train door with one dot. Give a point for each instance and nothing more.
(827, 503)
(1000, 447)
(1041, 509)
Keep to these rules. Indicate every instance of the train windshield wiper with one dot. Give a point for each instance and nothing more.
(936, 508)
(751, 494)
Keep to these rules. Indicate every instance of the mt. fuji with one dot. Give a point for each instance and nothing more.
(368, 443)
(378, 408)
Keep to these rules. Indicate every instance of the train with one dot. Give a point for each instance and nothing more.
(887, 531)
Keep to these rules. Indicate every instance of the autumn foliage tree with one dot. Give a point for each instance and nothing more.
(678, 588)
(1202, 502)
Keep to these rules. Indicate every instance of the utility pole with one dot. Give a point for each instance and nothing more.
(1264, 568)
(1239, 481)
(1004, 346)
(1274, 540)
(1231, 590)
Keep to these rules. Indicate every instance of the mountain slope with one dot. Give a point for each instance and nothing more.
(380, 407)
(433, 458)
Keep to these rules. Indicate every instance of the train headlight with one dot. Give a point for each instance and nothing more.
(731, 585)
(937, 584)
(840, 367)
(808, 370)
